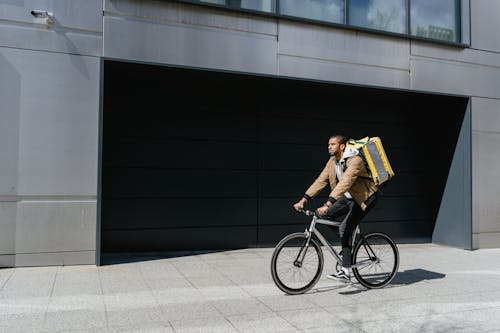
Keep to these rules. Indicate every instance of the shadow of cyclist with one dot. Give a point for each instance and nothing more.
(404, 278)
(415, 275)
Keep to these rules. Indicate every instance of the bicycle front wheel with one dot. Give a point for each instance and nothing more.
(375, 260)
(295, 267)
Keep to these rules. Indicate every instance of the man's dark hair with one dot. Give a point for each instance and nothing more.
(342, 139)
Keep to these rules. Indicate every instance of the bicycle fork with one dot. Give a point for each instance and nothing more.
(303, 249)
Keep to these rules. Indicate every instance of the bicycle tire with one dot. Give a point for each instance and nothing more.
(382, 252)
(283, 263)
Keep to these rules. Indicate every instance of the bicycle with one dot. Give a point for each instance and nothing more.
(297, 261)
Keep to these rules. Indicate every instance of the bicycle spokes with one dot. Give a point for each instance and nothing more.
(376, 260)
(296, 264)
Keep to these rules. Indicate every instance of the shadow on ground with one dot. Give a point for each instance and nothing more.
(415, 275)
(404, 278)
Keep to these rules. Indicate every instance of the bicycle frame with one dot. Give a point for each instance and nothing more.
(314, 231)
(286, 266)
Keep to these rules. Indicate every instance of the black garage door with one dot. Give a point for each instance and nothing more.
(207, 160)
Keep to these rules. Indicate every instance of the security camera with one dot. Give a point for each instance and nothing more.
(43, 16)
(40, 13)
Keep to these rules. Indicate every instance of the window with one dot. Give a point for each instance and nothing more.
(260, 5)
(436, 19)
(321, 10)
(387, 15)
(217, 2)
(440, 20)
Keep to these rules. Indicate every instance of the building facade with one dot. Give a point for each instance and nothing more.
(139, 126)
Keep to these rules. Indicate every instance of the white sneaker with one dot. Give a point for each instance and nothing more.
(342, 276)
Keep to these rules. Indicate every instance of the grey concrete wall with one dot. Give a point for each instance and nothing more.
(323, 53)
(9, 152)
(453, 224)
(486, 128)
(486, 168)
(166, 32)
(186, 35)
(49, 88)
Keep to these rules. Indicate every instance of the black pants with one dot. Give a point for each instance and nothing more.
(338, 212)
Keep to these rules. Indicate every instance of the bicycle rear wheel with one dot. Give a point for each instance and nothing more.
(375, 260)
(291, 274)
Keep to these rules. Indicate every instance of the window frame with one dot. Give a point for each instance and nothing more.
(346, 25)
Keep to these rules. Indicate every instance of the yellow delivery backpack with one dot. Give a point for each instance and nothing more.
(376, 161)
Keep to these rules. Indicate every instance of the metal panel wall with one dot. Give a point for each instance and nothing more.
(486, 167)
(55, 182)
(329, 44)
(182, 35)
(453, 225)
(48, 122)
(168, 11)
(8, 211)
(485, 25)
(455, 77)
(57, 122)
(341, 72)
(77, 27)
(10, 83)
(336, 55)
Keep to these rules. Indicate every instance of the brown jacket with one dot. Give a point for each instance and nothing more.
(355, 180)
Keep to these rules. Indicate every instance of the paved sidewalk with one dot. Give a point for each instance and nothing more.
(437, 289)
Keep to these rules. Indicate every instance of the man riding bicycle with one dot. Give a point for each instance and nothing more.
(351, 189)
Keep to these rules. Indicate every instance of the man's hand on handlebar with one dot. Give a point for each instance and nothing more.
(322, 210)
(299, 206)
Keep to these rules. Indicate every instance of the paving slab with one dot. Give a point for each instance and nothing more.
(142, 328)
(206, 325)
(5, 274)
(235, 307)
(23, 322)
(314, 318)
(74, 319)
(264, 323)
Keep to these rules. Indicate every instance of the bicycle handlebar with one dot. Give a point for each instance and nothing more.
(309, 212)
